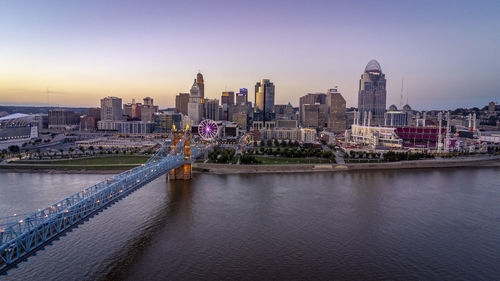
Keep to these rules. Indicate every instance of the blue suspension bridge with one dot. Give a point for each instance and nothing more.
(22, 235)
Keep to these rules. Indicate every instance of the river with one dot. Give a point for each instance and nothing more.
(428, 224)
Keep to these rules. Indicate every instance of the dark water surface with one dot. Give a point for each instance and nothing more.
(436, 224)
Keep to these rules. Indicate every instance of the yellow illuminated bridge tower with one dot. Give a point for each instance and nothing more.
(184, 172)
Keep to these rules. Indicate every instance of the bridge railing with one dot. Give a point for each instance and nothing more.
(12, 226)
(23, 234)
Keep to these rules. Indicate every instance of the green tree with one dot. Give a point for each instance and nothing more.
(276, 142)
(248, 159)
(14, 149)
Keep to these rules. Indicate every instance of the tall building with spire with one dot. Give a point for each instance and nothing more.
(195, 105)
(372, 93)
(201, 85)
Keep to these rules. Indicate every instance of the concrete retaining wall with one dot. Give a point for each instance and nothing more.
(300, 168)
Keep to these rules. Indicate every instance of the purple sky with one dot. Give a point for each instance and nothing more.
(446, 51)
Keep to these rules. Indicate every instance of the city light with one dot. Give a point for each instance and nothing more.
(305, 158)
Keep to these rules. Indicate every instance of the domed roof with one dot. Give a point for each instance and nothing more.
(373, 65)
(407, 108)
(393, 108)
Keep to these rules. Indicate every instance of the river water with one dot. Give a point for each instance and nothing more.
(402, 224)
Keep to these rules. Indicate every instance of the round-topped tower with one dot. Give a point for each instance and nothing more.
(373, 66)
(372, 94)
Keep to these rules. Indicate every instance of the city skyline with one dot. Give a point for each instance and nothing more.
(445, 53)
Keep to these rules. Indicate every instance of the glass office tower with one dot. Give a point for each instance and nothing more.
(372, 94)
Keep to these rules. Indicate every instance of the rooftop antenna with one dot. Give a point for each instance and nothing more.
(401, 98)
(407, 94)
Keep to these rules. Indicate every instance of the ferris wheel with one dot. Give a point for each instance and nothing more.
(208, 129)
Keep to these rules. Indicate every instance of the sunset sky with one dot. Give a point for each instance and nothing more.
(448, 52)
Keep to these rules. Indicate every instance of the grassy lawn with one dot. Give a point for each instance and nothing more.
(63, 167)
(101, 160)
(283, 160)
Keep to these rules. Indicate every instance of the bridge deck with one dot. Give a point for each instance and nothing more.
(23, 234)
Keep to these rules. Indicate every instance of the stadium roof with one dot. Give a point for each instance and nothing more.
(14, 116)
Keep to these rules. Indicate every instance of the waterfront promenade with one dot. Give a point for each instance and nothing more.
(480, 161)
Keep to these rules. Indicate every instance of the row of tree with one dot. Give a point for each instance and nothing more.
(222, 156)
(275, 142)
(494, 150)
(361, 155)
(391, 156)
(248, 159)
(15, 150)
(293, 152)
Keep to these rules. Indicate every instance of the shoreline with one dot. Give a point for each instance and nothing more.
(60, 171)
(221, 169)
(224, 169)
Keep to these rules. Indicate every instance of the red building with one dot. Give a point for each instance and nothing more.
(88, 123)
(419, 136)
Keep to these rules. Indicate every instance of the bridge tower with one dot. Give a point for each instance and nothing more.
(185, 171)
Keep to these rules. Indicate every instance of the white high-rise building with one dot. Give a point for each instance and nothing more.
(111, 109)
(195, 106)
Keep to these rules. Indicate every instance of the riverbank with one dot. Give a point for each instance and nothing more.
(88, 165)
(488, 161)
(482, 161)
(62, 169)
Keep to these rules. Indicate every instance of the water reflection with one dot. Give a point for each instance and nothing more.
(177, 196)
(402, 224)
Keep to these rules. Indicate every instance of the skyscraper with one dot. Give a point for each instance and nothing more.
(242, 97)
(195, 107)
(111, 109)
(312, 115)
(181, 103)
(264, 100)
(212, 109)
(336, 110)
(315, 98)
(227, 98)
(201, 85)
(372, 93)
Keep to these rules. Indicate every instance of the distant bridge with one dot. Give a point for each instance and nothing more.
(22, 235)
